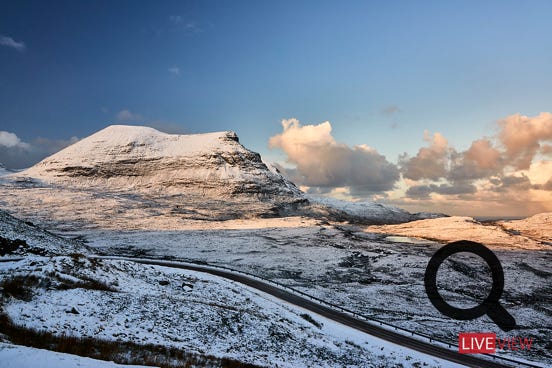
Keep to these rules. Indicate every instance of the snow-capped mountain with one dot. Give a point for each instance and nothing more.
(135, 158)
(133, 177)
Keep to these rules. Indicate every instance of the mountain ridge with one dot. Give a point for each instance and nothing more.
(144, 159)
(137, 177)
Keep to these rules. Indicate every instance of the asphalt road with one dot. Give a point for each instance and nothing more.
(346, 319)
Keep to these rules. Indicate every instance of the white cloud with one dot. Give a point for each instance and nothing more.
(10, 42)
(10, 140)
(522, 137)
(127, 115)
(174, 70)
(16, 154)
(430, 162)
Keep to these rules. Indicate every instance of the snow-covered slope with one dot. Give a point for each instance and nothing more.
(537, 226)
(130, 173)
(133, 177)
(190, 311)
(466, 228)
(135, 158)
(372, 212)
(18, 238)
(17, 356)
(3, 170)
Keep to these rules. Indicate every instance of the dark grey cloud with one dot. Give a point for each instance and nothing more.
(511, 183)
(424, 191)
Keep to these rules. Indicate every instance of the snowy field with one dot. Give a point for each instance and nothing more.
(187, 310)
(374, 274)
(16, 356)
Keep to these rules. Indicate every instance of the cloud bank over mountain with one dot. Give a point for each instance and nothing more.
(508, 172)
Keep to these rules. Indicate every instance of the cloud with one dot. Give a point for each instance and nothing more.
(511, 183)
(10, 42)
(546, 186)
(424, 191)
(546, 149)
(508, 173)
(16, 154)
(483, 155)
(127, 115)
(521, 137)
(430, 162)
(519, 140)
(501, 174)
(481, 160)
(10, 140)
(174, 70)
(322, 162)
(182, 23)
(390, 110)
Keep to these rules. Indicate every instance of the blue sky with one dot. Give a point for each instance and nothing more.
(382, 72)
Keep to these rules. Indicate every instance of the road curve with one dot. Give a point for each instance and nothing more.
(346, 319)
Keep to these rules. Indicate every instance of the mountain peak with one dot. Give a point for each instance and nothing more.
(139, 159)
(117, 143)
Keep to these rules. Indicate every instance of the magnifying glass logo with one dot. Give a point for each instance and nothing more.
(490, 306)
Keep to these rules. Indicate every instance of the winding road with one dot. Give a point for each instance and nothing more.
(341, 317)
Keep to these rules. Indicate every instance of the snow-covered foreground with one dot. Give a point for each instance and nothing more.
(15, 356)
(191, 311)
(373, 274)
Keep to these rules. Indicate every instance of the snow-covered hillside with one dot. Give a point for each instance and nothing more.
(113, 304)
(531, 233)
(132, 177)
(372, 212)
(125, 173)
(17, 356)
(3, 170)
(538, 226)
(19, 238)
(135, 158)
